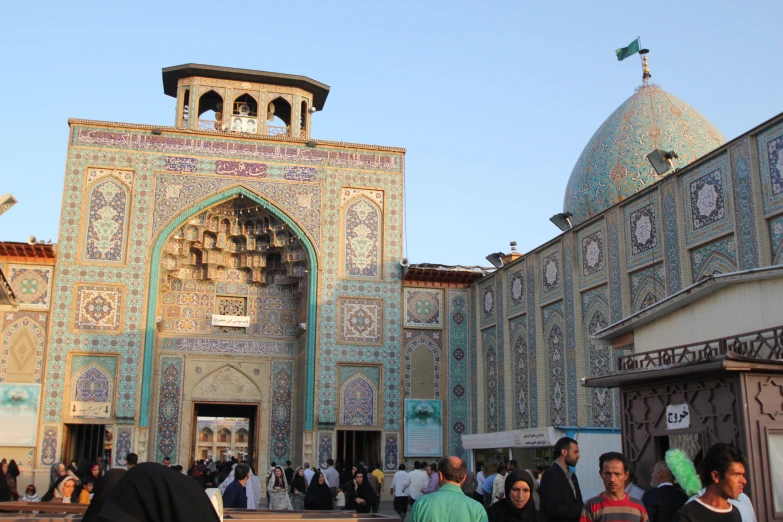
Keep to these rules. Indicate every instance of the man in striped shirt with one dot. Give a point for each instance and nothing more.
(614, 504)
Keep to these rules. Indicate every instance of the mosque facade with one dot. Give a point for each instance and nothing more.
(233, 266)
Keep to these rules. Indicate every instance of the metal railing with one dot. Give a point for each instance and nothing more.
(272, 130)
(208, 125)
(761, 345)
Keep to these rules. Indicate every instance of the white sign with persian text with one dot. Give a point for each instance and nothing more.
(18, 414)
(531, 438)
(678, 416)
(90, 410)
(238, 321)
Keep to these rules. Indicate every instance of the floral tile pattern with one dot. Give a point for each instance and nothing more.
(516, 289)
(707, 206)
(98, 308)
(458, 370)
(32, 285)
(647, 287)
(770, 151)
(361, 321)
(423, 308)
(719, 257)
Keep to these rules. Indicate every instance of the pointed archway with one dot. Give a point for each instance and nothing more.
(154, 278)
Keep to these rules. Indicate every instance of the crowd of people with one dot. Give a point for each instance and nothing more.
(554, 495)
(446, 490)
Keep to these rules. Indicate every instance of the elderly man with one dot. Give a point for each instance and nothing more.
(448, 503)
(665, 499)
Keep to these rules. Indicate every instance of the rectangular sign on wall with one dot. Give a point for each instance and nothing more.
(238, 321)
(18, 413)
(423, 428)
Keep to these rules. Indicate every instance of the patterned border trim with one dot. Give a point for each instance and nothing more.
(573, 413)
(312, 323)
(615, 286)
(743, 199)
(281, 411)
(671, 236)
(531, 342)
(772, 195)
(458, 368)
(171, 376)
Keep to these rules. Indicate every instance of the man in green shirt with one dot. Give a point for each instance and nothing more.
(448, 503)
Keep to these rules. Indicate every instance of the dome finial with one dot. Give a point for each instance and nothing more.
(645, 67)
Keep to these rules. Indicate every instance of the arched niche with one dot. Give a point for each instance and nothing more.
(226, 384)
(178, 221)
(358, 402)
(107, 214)
(362, 239)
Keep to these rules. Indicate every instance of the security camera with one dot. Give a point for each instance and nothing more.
(311, 110)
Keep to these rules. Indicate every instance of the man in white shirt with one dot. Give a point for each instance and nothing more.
(416, 482)
(481, 476)
(332, 478)
(499, 484)
(631, 488)
(308, 473)
(400, 495)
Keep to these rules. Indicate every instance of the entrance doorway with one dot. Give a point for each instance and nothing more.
(85, 442)
(358, 446)
(221, 431)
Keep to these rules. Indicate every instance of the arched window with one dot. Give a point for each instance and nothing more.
(358, 402)
(224, 435)
(210, 111)
(303, 120)
(205, 435)
(185, 107)
(242, 435)
(278, 117)
(92, 385)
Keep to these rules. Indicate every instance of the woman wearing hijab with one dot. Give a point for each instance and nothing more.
(57, 471)
(12, 475)
(298, 489)
(101, 493)
(278, 490)
(534, 492)
(517, 504)
(62, 491)
(359, 494)
(318, 496)
(151, 491)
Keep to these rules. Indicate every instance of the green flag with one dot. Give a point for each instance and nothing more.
(625, 52)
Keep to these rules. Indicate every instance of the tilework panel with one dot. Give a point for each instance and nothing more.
(373, 373)
(98, 308)
(554, 336)
(362, 239)
(239, 169)
(423, 308)
(595, 317)
(50, 444)
(32, 285)
(671, 238)
(719, 257)
(573, 412)
(124, 445)
(744, 204)
(770, 151)
(642, 227)
(170, 378)
(257, 150)
(281, 419)
(80, 361)
(391, 451)
(520, 370)
(361, 321)
(491, 398)
(23, 344)
(201, 345)
(325, 447)
(501, 355)
(107, 212)
(431, 341)
(488, 302)
(531, 342)
(175, 192)
(458, 370)
(647, 287)
(613, 165)
(776, 236)
(516, 289)
(551, 273)
(358, 402)
(591, 249)
(615, 277)
(180, 164)
(707, 200)
(473, 334)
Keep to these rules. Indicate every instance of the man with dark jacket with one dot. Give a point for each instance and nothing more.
(561, 498)
(665, 499)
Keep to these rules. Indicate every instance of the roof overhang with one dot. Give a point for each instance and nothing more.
(728, 362)
(442, 274)
(37, 252)
(171, 75)
(684, 297)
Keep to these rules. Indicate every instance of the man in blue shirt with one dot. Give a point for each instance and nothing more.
(449, 502)
(236, 495)
(486, 488)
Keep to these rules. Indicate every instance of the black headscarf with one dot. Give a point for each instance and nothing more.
(363, 491)
(504, 511)
(56, 488)
(318, 496)
(299, 483)
(151, 491)
(102, 490)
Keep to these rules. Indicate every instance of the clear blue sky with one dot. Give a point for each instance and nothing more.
(493, 101)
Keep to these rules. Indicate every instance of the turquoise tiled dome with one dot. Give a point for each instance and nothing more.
(613, 166)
